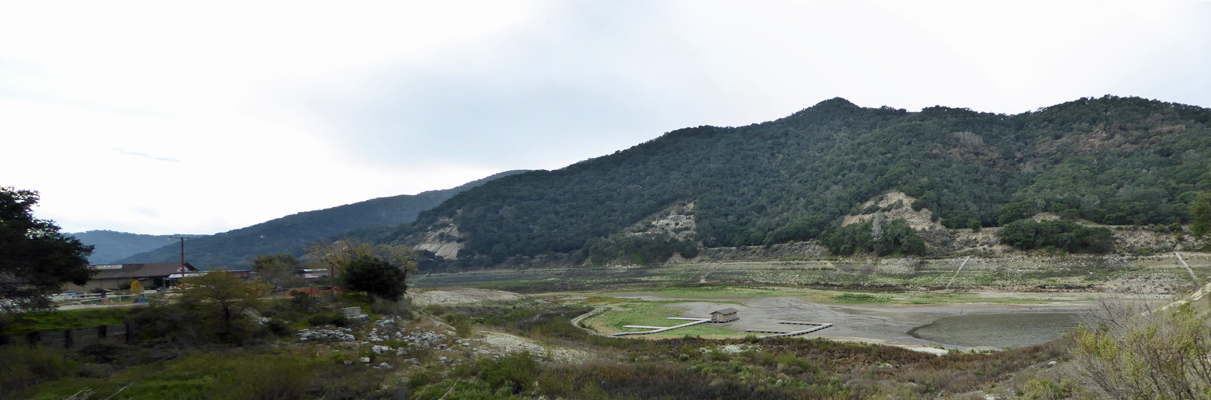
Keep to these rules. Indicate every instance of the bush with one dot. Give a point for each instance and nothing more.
(515, 372)
(1065, 235)
(895, 237)
(1138, 354)
(333, 319)
(27, 366)
(378, 278)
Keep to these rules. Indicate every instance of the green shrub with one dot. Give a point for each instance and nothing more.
(27, 366)
(327, 319)
(894, 237)
(515, 372)
(1069, 236)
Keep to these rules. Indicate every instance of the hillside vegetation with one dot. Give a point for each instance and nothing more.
(110, 246)
(291, 233)
(1110, 160)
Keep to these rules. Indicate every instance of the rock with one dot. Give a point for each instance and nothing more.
(383, 365)
(350, 312)
(380, 349)
(443, 359)
(364, 360)
(412, 361)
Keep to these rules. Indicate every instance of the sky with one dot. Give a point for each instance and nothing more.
(202, 117)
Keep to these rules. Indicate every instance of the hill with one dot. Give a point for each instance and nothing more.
(110, 246)
(291, 233)
(1111, 160)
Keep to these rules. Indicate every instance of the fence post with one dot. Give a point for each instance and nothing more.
(127, 338)
(102, 332)
(68, 339)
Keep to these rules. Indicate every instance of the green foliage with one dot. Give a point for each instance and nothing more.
(221, 297)
(1065, 235)
(60, 320)
(376, 277)
(1108, 160)
(1146, 355)
(25, 366)
(895, 237)
(975, 225)
(35, 258)
(277, 269)
(515, 372)
(1200, 212)
(645, 249)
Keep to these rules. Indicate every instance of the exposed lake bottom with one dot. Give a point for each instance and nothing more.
(998, 330)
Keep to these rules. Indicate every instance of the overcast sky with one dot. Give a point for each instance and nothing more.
(172, 117)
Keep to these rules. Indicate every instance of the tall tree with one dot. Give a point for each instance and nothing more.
(1201, 212)
(376, 277)
(277, 269)
(35, 258)
(228, 295)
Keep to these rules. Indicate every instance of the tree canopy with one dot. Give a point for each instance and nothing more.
(1111, 160)
(377, 277)
(35, 258)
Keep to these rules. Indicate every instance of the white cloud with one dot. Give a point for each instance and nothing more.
(164, 117)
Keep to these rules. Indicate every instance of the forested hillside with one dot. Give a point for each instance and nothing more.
(110, 246)
(291, 233)
(1110, 160)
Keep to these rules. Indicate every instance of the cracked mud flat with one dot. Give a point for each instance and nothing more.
(885, 324)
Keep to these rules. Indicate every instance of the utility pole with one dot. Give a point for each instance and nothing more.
(182, 238)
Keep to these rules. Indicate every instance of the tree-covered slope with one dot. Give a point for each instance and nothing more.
(110, 246)
(1112, 160)
(291, 233)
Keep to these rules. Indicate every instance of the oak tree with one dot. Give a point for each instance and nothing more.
(35, 258)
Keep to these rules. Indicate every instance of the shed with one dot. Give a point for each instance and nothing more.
(724, 315)
(119, 276)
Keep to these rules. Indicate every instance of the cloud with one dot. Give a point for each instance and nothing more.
(236, 112)
(147, 156)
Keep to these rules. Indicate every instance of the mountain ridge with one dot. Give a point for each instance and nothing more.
(289, 234)
(1112, 160)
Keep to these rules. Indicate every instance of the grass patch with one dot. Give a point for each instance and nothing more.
(859, 298)
(652, 314)
(61, 320)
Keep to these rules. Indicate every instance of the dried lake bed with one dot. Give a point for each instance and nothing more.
(973, 321)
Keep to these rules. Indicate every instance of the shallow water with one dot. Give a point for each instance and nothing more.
(997, 330)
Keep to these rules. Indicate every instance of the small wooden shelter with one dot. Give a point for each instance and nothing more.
(724, 315)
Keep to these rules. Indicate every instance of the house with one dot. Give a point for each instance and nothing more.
(724, 315)
(120, 276)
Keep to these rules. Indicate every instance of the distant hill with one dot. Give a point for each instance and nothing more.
(110, 246)
(1111, 160)
(291, 233)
